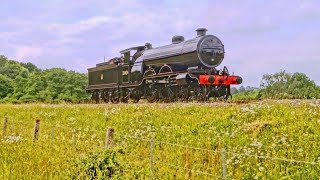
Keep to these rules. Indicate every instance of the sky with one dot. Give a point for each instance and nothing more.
(260, 37)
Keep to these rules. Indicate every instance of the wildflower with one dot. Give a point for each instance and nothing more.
(283, 139)
(261, 168)
(246, 109)
(256, 143)
(71, 119)
(299, 150)
(13, 139)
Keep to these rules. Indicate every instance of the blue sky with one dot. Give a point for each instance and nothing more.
(259, 36)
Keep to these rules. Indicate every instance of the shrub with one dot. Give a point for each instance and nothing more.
(98, 165)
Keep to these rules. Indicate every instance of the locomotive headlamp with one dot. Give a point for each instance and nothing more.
(211, 79)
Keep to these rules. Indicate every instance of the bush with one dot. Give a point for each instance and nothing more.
(283, 85)
(98, 165)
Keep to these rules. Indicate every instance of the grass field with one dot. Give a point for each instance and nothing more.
(71, 140)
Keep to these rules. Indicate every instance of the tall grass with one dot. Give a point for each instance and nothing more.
(281, 129)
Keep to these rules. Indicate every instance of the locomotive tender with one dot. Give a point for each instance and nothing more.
(183, 70)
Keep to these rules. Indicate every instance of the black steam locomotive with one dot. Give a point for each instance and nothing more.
(183, 70)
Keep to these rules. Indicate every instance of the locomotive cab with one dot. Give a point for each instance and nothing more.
(130, 63)
(126, 54)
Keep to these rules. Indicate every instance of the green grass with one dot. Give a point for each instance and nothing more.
(282, 129)
(247, 95)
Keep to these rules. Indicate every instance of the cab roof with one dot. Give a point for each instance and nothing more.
(138, 48)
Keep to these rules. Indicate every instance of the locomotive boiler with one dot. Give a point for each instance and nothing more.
(184, 70)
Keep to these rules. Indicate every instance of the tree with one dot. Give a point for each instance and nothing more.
(31, 67)
(11, 69)
(242, 89)
(19, 86)
(25, 82)
(3, 60)
(284, 85)
(234, 90)
(302, 87)
(5, 86)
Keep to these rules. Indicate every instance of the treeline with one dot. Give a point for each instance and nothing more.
(281, 85)
(25, 82)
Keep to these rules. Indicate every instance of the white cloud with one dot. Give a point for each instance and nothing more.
(80, 33)
(95, 21)
(25, 52)
(76, 28)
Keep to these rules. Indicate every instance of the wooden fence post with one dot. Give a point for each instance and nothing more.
(224, 165)
(5, 125)
(188, 165)
(151, 158)
(36, 130)
(52, 139)
(109, 137)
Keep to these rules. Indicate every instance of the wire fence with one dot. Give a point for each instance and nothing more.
(156, 149)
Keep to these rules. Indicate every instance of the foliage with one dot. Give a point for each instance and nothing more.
(288, 129)
(280, 85)
(5, 86)
(252, 94)
(97, 165)
(24, 83)
(283, 85)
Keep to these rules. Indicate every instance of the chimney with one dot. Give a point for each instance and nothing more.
(148, 46)
(201, 32)
(177, 39)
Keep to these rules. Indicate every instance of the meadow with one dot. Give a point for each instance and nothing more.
(262, 140)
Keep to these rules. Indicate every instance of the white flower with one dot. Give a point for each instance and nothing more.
(261, 168)
(256, 143)
(283, 139)
(13, 139)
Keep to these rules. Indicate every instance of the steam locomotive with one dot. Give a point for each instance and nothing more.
(180, 71)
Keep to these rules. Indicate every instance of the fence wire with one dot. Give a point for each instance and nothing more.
(14, 127)
(192, 170)
(188, 147)
(274, 158)
(184, 146)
